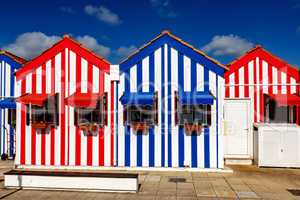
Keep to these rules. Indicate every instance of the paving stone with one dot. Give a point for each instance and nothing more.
(226, 192)
(247, 194)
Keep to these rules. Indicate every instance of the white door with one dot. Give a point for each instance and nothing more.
(290, 148)
(237, 128)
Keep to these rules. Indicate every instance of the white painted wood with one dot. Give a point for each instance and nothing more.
(71, 183)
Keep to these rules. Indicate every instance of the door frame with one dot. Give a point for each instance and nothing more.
(250, 131)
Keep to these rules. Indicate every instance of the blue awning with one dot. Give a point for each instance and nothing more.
(137, 98)
(8, 103)
(196, 98)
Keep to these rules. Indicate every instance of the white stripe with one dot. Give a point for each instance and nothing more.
(47, 147)
(166, 102)
(200, 150)
(257, 90)
(8, 79)
(95, 158)
(121, 130)
(48, 77)
(96, 72)
(283, 83)
(39, 80)
(38, 144)
(187, 149)
(231, 83)
(29, 83)
(275, 80)
(72, 137)
(241, 82)
(27, 144)
(145, 77)
(133, 149)
(265, 76)
(72, 83)
(57, 72)
(83, 149)
(84, 75)
(293, 85)
(174, 87)
(220, 121)
(200, 78)
(107, 135)
(187, 74)
(67, 56)
(133, 79)
(213, 127)
(158, 85)
(145, 153)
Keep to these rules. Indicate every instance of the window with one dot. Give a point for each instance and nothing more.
(12, 117)
(46, 114)
(195, 114)
(140, 114)
(280, 114)
(96, 115)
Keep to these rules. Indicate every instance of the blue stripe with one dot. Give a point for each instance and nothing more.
(4, 117)
(139, 148)
(11, 131)
(1, 121)
(181, 147)
(117, 124)
(180, 130)
(169, 111)
(139, 77)
(151, 72)
(194, 149)
(162, 106)
(217, 119)
(206, 148)
(127, 146)
(151, 147)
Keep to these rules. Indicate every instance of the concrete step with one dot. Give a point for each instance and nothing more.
(238, 161)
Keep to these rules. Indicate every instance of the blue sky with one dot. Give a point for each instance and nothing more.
(114, 28)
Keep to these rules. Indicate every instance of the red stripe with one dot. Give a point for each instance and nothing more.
(236, 83)
(43, 132)
(279, 81)
(227, 87)
(52, 147)
(78, 132)
(270, 79)
(112, 124)
(33, 131)
(255, 91)
(23, 119)
(68, 110)
(78, 147)
(246, 79)
(261, 99)
(90, 137)
(101, 146)
(101, 131)
(62, 113)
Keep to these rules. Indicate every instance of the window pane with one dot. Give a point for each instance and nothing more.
(85, 116)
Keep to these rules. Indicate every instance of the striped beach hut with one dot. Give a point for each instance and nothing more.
(9, 63)
(252, 80)
(63, 109)
(170, 107)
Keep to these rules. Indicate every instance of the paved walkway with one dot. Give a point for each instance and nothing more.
(246, 182)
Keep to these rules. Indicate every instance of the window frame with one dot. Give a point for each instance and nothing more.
(206, 114)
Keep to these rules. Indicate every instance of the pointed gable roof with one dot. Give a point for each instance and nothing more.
(167, 38)
(65, 42)
(259, 51)
(13, 57)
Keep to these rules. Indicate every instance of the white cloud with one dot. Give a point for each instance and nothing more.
(227, 45)
(124, 51)
(163, 8)
(103, 14)
(30, 44)
(91, 43)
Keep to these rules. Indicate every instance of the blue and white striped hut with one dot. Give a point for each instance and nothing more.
(170, 107)
(9, 63)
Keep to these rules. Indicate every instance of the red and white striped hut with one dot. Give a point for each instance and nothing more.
(64, 98)
(252, 80)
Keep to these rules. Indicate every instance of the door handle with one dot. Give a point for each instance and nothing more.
(246, 129)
